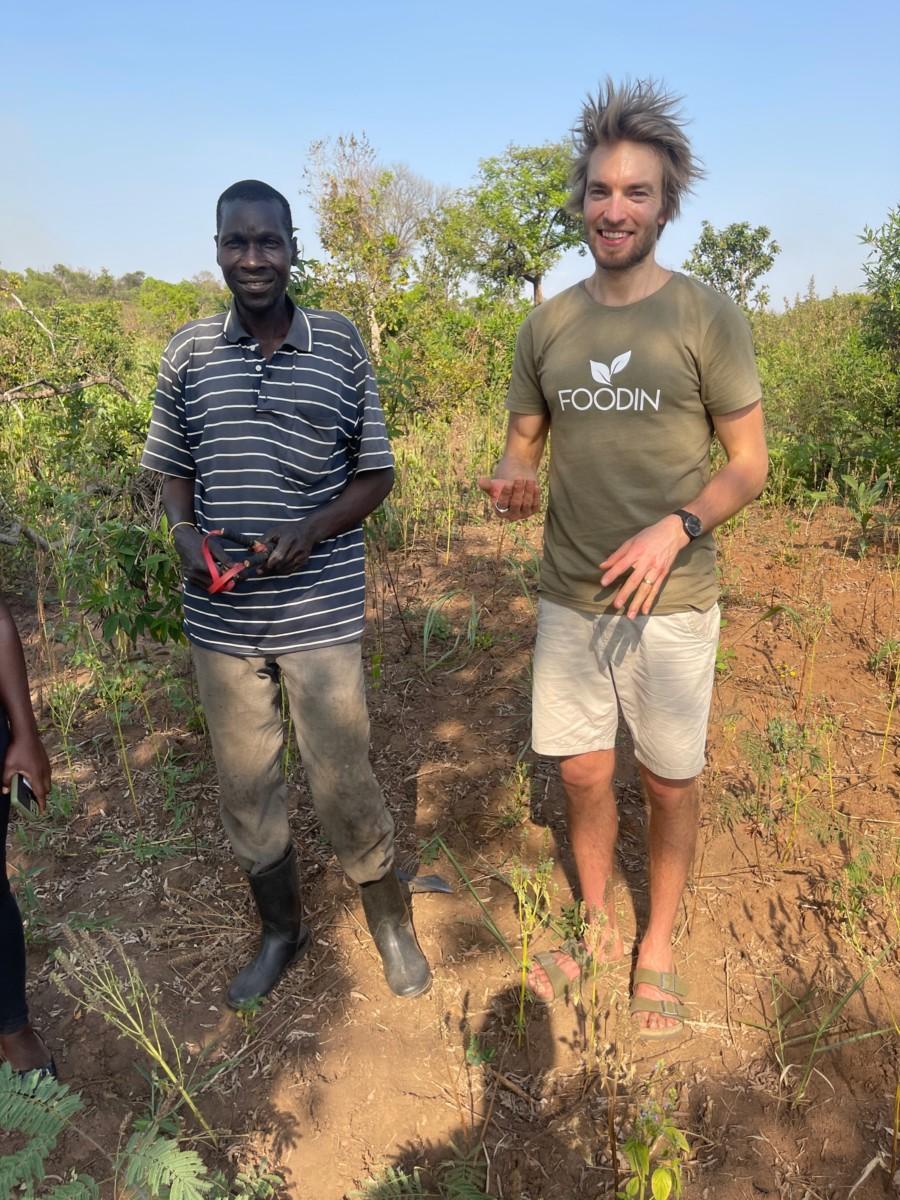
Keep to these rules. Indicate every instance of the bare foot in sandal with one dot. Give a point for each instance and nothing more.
(666, 1021)
(554, 970)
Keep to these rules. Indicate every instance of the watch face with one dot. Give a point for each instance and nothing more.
(693, 526)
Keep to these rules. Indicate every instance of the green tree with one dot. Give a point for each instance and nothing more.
(164, 307)
(511, 227)
(212, 293)
(41, 289)
(371, 219)
(881, 326)
(733, 259)
(167, 306)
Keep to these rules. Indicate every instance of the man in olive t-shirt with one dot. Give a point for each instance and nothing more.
(633, 370)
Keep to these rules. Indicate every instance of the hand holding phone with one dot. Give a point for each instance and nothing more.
(21, 797)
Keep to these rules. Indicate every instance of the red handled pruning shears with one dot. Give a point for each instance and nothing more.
(224, 581)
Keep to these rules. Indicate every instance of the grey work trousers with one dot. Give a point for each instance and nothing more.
(326, 692)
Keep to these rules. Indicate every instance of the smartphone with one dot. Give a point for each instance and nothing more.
(22, 797)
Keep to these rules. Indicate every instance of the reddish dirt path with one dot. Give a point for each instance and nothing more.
(338, 1079)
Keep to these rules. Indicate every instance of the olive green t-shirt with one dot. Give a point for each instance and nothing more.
(630, 392)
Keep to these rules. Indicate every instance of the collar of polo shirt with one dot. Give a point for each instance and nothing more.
(299, 335)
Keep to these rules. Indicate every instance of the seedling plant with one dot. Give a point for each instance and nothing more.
(656, 1150)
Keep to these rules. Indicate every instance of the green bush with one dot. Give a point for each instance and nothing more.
(881, 324)
(831, 399)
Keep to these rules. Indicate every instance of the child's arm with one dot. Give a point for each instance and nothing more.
(25, 755)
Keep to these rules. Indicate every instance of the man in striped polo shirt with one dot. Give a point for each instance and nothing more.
(267, 422)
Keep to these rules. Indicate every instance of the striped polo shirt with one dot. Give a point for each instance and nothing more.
(265, 443)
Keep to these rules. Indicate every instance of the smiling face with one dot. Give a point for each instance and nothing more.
(255, 250)
(623, 204)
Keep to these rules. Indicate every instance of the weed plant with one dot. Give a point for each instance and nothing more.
(517, 808)
(812, 1024)
(37, 831)
(176, 773)
(655, 1150)
(153, 1164)
(886, 659)
(861, 499)
(532, 887)
(98, 974)
(393, 1183)
(782, 758)
(462, 1177)
(866, 890)
(63, 700)
(34, 919)
(437, 628)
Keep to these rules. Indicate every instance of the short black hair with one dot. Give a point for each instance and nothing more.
(254, 190)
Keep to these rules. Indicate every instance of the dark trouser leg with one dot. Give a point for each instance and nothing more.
(241, 701)
(18, 1041)
(13, 1008)
(328, 705)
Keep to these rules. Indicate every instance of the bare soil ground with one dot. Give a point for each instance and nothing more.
(795, 894)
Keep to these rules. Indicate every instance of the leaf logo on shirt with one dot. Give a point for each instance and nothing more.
(603, 373)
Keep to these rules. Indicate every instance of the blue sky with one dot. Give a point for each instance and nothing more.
(122, 123)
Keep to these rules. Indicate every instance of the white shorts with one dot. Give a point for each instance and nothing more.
(658, 669)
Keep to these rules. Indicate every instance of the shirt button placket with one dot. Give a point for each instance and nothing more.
(261, 400)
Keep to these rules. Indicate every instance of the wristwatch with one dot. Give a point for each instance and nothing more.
(691, 523)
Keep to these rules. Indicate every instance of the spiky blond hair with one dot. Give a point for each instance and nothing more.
(643, 112)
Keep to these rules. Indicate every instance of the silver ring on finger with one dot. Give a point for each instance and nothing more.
(647, 579)
(501, 510)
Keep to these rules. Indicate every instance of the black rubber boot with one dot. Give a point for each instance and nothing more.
(389, 917)
(285, 938)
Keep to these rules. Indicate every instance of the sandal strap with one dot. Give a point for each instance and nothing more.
(666, 1008)
(559, 980)
(666, 981)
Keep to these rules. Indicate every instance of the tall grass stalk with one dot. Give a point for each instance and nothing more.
(87, 973)
(432, 627)
(800, 796)
(63, 699)
(823, 1028)
(532, 888)
(470, 888)
(887, 726)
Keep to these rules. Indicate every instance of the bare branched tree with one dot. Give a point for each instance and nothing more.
(371, 221)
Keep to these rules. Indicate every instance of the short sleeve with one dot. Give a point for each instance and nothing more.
(166, 449)
(525, 394)
(728, 376)
(370, 449)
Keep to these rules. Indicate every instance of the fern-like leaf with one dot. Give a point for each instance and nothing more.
(82, 1187)
(35, 1105)
(24, 1166)
(38, 1108)
(160, 1165)
(393, 1183)
(464, 1179)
